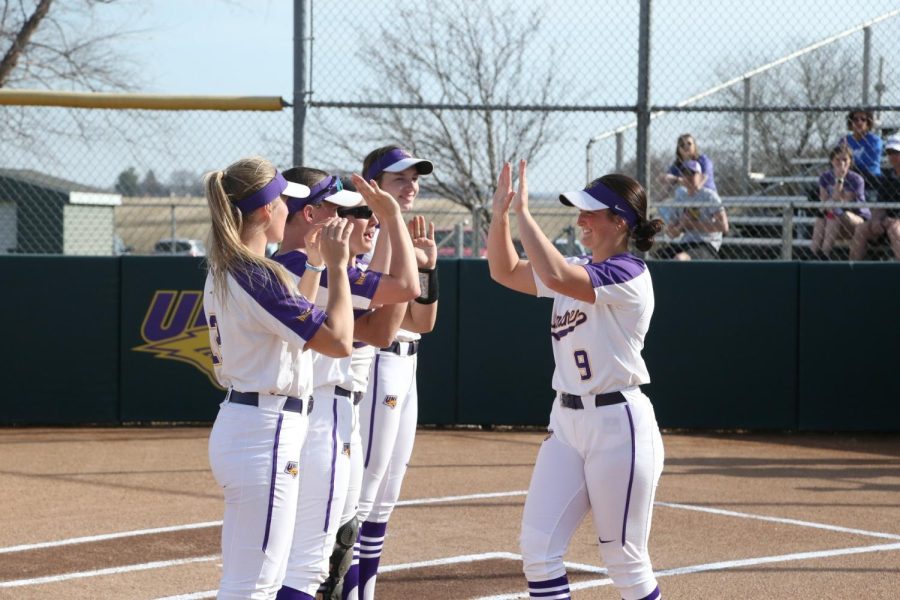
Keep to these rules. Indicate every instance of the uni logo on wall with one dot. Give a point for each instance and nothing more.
(175, 328)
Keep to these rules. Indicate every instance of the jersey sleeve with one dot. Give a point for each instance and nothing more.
(612, 279)
(285, 314)
(542, 290)
(363, 285)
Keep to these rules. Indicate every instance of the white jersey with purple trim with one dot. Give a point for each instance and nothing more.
(330, 371)
(257, 335)
(620, 316)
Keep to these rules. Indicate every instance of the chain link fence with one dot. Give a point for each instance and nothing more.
(763, 88)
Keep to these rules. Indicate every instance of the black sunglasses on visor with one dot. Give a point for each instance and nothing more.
(355, 212)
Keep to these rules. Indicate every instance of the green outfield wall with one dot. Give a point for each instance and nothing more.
(767, 345)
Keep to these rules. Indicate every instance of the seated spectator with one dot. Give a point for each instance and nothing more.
(685, 150)
(883, 221)
(700, 227)
(865, 145)
(838, 184)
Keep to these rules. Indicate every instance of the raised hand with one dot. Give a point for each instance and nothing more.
(382, 203)
(311, 242)
(334, 243)
(423, 242)
(503, 195)
(520, 200)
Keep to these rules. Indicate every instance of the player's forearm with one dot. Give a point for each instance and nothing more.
(420, 318)
(381, 257)
(379, 327)
(308, 285)
(402, 265)
(502, 256)
(545, 259)
(339, 324)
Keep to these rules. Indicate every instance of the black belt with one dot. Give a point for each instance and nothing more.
(357, 396)
(394, 348)
(573, 401)
(291, 404)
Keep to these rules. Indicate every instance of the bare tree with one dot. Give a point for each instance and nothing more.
(47, 44)
(60, 45)
(460, 54)
(829, 76)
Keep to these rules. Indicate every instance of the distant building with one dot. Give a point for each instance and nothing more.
(42, 214)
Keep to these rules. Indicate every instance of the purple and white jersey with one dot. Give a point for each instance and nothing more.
(597, 347)
(257, 335)
(330, 371)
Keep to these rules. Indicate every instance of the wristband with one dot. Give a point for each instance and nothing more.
(313, 268)
(428, 282)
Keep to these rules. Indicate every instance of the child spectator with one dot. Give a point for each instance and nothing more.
(865, 146)
(702, 227)
(685, 150)
(838, 184)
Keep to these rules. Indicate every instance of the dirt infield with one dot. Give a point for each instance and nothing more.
(135, 513)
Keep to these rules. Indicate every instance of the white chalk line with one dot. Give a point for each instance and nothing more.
(387, 568)
(123, 534)
(721, 566)
(111, 571)
(108, 536)
(825, 526)
(452, 560)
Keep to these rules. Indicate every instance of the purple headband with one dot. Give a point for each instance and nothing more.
(614, 202)
(262, 196)
(384, 161)
(329, 186)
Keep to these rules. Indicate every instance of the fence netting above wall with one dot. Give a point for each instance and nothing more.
(764, 92)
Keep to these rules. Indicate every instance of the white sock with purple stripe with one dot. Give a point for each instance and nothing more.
(550, 589)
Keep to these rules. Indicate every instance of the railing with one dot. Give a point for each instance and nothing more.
(782, 224)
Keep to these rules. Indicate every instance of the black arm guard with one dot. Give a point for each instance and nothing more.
(428, 282)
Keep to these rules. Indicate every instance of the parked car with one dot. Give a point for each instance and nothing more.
(179, 247)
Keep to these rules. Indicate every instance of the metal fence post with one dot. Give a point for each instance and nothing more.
(643, 100)
(867, 63)
(174, 224)
(300, 97)
(745, 147)
(787, 231)
(620, 151)
(460, 238)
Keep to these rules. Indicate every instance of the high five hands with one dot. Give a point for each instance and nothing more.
(382, 203)
(504, 196)
(423, 242)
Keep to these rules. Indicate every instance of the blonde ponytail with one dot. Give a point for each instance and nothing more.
(227, 253)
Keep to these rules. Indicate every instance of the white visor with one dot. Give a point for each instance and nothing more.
(296, 190)
(581, 200)
(424, 167)
(345, 198)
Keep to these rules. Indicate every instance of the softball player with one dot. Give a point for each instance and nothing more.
(389, 411)
(259, 329)
(327, 457)
(604, 453)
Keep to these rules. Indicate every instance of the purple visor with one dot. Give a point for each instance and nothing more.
(600, 197)
(397, 160)
(272, 190)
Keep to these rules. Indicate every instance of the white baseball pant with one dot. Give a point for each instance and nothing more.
(324, 479)
(254, 453)
(605, 459)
